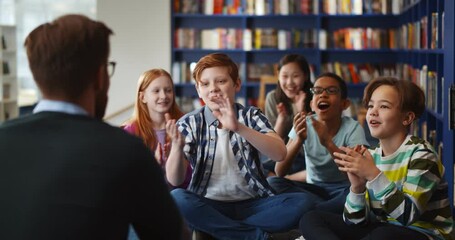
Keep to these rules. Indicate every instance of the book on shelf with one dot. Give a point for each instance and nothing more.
(432, 138)
(422, 79)
(434, 30)
(424, 32)
(358, 7)
(440, 150)
(432, 90)
(442, 29)
(361, 72)
(362, 38)
(424, 132)
(247, 40)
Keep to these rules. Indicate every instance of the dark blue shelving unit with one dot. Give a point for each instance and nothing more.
(439, 59)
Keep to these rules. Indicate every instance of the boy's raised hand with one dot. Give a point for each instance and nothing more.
(226, 115)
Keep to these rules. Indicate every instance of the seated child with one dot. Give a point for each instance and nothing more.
(400, 182)
(321, 134)
(154, 98)
(291, 96)
(228, 196)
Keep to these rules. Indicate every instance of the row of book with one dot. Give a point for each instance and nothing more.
(287, 7)
(250, 7)
(247, 39)
(421, 35)
(360, 72)
(430, 135)
(358, 7)
(431, 83)
(408, 36)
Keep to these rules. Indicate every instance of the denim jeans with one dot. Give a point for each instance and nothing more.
(248, 219)
(332, 196)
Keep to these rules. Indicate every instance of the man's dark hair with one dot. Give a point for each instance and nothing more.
(65, 55)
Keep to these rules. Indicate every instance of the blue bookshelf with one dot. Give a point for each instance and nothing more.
(419, 13)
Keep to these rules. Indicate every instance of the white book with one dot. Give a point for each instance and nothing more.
(247, 40)
(357, 7)
(322, 39)
(282, 40)
(208, 7)
(206, 36)
(284, 7)
(423, 79)
(396, 7)
(259, 7)
(176, 72)
(331, 7)
(356, 38)
(384, 7)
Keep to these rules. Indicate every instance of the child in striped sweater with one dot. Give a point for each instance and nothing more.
(397, 189)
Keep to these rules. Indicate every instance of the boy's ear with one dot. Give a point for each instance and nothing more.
(345, 103)
(408, 118)
(237, 84)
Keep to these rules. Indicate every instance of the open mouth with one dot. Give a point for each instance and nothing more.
(323, 105)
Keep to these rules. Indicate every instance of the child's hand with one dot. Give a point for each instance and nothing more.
(173, 133)
(359, 163)
(281, 109)
(299, 101)
(322, 131)
(226, 115)
(300, 126)
(357, 182)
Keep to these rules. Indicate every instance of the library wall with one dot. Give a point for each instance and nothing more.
(141, 41)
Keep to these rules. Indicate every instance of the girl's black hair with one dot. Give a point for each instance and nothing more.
(305, 67)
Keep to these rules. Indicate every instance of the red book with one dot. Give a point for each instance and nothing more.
(218, 6)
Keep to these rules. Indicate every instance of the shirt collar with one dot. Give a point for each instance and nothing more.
(46, 105)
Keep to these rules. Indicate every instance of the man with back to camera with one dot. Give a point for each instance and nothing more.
(64, 173)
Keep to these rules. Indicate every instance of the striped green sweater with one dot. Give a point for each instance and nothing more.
(410, 191)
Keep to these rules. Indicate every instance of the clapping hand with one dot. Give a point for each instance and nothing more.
(299, 101)
(359, 165)
(300, 125)
(173, 133)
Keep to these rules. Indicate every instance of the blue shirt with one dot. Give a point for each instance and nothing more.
(319, 162)
(199, 129)
(46, 105)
